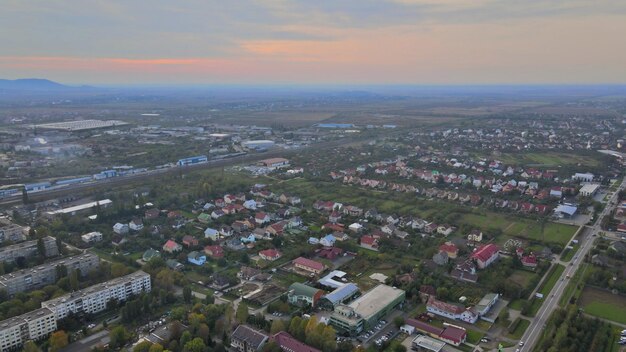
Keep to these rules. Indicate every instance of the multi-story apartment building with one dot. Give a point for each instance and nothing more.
(94, 299)
(10, 231)
(34, 325)
(28, 249)
(46, 274)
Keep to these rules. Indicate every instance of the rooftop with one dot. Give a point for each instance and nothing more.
(375, 300)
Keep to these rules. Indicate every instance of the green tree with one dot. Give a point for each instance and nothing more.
(143, 346)
(277, 325)
(156, 348)
(74, 280)
(242, 312)
(118, 336)
(187, 294)
(195, 345)
(30, 346)
(58, 340)
(41, 248)
(185, 338)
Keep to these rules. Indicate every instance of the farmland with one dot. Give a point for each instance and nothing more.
(604, 304)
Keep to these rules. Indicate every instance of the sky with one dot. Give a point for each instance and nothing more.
(132, 42)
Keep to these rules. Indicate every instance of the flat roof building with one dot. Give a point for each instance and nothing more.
(366, 310)
(46, 274)
(427, 343)
(10, 231)
(28, 249)
(82, 207)
(34, 325)
(94, 299)
(81, 125)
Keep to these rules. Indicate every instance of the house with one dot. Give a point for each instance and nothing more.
(388, 229)
(556, 192)
(485, 255)
(121, 229)
(196, 258)
(288, 343)
(190, 241)
(91, 237)
(589, 190)
(118, 240)
(204, 218)
(270, 254)
(247, 339)
(250, 204)
(445, 229)
(451, 311)
(430, 228)
(151, 214)
(466, 271)
(369, 242)
(301, 294)
(174, 265)
(308, 265)
(600, 260)
(314, 240)
(327, 241)
(583, 177)
(529, 261)
(565, 211)
(261, 218)
(248, 273)
(213, 234)
(527, 207)
(334, 217)
(355, 227)
(329, 253)
(450, 249)
(171, 246)
(217, 213)
(135, 224)
(248, 239)
(475, 236)
(352, 210)
(340, 236)
(226, 231)
(215, 252)
(149, 254)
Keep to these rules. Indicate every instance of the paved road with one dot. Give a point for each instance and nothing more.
(534, 331)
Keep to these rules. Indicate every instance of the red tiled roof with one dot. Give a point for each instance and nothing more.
(368, 240)
(424, 327)
(170, 244)
(309, 263)
(270, 253)
(214, 251)
(453, 334)
(448, 248)
(446, 307)
(485, 252)
(289, 344)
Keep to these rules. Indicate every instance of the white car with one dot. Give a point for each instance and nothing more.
(521, 343)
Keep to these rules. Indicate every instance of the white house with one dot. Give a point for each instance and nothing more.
(250, 204)
(211, 233)
(121, 229)
(91, 237)
(583, 177)
(135, 225)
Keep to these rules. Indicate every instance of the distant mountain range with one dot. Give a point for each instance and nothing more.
(31, 84)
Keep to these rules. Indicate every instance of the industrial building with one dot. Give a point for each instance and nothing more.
(81, 125)
(46, 274)
(28, 249)
(94, 299)
(589, 190)
(104, 203)
(274, 163)
(366, 310)
(34, 325)
(340, 295)
(192, 160)
(257, 144)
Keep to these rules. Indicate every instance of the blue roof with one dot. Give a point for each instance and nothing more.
(335, 125)
(567, 209)
(341, 293)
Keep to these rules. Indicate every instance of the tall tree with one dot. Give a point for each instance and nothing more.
(58, 340)
(30, 346)
(277, 325)
(41, 248)
(242, 312)
(187, 294)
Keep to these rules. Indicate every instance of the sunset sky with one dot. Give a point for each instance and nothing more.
(314, 41)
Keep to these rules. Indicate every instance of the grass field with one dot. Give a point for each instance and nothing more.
(408, 204)
(520, 329)
(474, 336)
(568, 253)
(603, 304)
(521, 277)
(549, 159)
(551, 280)
(572, 288)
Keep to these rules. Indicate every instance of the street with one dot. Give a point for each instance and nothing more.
(534, 331)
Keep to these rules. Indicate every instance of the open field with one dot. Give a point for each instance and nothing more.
(519, 329)
(603, 304)
(521, 277)
(402, 203)
(554, 159)
(574, 286)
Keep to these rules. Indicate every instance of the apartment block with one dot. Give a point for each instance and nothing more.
(46, 274)
(34, 325)
(10, 231)
(94, 299)
(28, 249)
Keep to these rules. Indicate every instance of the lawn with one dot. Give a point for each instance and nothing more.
(549, 159)
(572, 288)
(520, 329)
(551, 279)
(474, 336)
(603, 304)
(521, 277)
(568, 253)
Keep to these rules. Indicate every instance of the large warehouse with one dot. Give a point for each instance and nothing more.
(366, 310)
(257, 144)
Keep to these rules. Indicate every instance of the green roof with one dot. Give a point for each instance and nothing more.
(299, 289)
